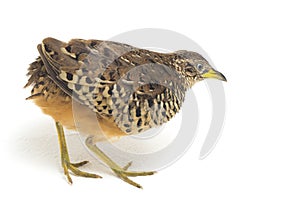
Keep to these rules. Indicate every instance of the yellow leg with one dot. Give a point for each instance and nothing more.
(65, 159)
(121, 172)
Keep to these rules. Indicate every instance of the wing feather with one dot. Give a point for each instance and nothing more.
(114, 79)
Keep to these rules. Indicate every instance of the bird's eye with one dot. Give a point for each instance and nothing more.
(199, 66)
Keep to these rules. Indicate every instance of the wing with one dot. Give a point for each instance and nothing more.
(81, 67)
(134, 86)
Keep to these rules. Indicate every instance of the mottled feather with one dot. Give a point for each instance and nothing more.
(135, 88)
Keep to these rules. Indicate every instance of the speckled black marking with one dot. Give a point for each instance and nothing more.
(77, 87)
(134, 95)
(84, 70)
(178, 103)
(151, 60)
(68, 48)
(140, 130)
(175, 109)
(151, 86)
(159, 105)
(88, 80)
(101, 90)
(77, 55)
(104, 107)
(128, 130)
(150, 102)
(109, 91)
(93, 44)
(139, 123)
(130, 119)
(111, 74)
(92, 88)
(69, 76)
(138, 112)
(42, 74)
(101, 77)
(117, 62)
(165, 107)
(110, 111)
(47, 48)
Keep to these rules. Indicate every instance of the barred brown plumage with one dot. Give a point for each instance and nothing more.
(129, 89)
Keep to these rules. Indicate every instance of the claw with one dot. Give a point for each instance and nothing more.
(127, 166)
(79, 164)
(78, 172)
(123, 174)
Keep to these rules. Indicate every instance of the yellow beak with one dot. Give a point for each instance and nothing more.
(212, 73)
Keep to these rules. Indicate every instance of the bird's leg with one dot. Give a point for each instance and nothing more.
(65, 159)
(121, 172)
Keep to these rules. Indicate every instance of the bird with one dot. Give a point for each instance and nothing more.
(125, 89)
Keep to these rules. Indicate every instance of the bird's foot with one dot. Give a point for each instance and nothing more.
(65, 159)
(123, 174)
(73, 167)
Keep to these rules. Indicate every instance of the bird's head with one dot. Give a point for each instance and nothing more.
(195, 67)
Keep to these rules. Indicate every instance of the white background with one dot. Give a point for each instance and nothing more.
(256, 44)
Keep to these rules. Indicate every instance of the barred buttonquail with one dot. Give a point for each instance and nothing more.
(128, 89)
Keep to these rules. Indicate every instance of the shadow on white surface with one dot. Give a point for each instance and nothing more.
(38, 145)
